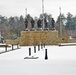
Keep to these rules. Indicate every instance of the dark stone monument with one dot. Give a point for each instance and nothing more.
(39, 23)
(46, 23)
(26, 23)
(32, 23)
(53, 23)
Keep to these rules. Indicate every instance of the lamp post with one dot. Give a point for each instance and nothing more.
(26, 21)
(60, 30)
(26, 12)
(43, 14)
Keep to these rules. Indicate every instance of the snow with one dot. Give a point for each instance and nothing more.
(61, 61)
(67, 44)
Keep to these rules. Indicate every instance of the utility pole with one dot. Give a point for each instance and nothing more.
(60, 30)
(43, 14)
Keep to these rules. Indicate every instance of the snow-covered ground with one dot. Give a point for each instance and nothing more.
(61, 61)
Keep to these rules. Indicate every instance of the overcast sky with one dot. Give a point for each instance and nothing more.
(34, 7)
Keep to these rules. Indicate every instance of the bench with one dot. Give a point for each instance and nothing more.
(5, 45)
(13, 46)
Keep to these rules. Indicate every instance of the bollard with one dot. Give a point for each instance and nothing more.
(17, 46)
(38, 47)
(12, 47)
(6, 49)
(41, 46)
(44, 45)
(34, 49)
(29, 51)
(46, 56)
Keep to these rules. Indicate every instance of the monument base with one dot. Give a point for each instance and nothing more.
(47, 37)
(29, 38)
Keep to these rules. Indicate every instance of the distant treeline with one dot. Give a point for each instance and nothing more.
(11, 27)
